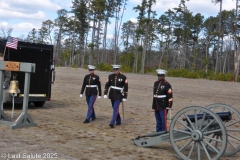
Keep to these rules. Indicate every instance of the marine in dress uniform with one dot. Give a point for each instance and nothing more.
(162, 98)
(117, 87)
(92, 86)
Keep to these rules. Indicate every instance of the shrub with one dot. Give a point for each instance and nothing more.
(126, 68)
(238, 79)
(104, 67)
(186, 73)
(74, 66)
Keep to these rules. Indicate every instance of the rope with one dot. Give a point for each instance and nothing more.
(13, 95)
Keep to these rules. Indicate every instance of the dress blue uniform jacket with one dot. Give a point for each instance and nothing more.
(164, 89)
(118, 81)
(91, 79)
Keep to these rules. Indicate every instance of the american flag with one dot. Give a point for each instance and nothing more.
(12, 42)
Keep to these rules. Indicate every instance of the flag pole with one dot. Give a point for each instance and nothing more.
(4, 52)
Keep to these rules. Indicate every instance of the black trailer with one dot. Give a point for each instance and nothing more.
(41, 81)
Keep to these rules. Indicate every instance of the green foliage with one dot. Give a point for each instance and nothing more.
(91, 45)
(149, 70)
(210, 75)
(140, 49)
(85, 66)
(222, 77)
(238, 79)
(74, 66)
(64, 57)
(127, 59)
(104, 67)
(126, 68)
(184, 73)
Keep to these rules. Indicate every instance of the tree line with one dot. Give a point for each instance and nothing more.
(176, 39)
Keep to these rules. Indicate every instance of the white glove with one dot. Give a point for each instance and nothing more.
(99, 97)
(80, 95)
(105, 96)
(124, 100)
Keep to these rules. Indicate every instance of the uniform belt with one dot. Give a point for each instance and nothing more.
(91, 85)
(118, 88)
(161, 96)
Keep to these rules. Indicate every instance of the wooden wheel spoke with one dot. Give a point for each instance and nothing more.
(182, 131)
(183, 138)
(204, 148)
(191, 150)
(212, 139)
(204, 116)
(210, 145)
(199, 150)
(230, 142)
(196, 120)
(189, 121)
(230, 124)
(185, 125)
(213, 131)
(233, 130)
(234, 137)
(208, 125)
(185, 145)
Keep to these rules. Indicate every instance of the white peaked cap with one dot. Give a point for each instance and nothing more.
(116, 66)
(161, 71)
(91, 67)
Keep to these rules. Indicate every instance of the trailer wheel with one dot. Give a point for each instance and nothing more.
(39, 103)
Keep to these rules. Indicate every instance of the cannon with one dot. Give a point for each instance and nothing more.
(200, 132)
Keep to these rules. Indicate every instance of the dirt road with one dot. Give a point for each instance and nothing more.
(61, 134)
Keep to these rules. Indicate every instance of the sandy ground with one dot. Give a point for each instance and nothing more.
(61, 134)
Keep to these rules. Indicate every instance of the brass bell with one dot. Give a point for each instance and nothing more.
(13, 88)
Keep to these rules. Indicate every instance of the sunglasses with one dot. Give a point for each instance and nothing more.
(115, 69)
(91, 69)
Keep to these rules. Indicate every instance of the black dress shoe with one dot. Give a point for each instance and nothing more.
(111, 125)
(93, 119)
(118, 123)
(86, 121)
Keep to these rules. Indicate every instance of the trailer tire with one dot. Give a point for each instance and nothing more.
(39, 103)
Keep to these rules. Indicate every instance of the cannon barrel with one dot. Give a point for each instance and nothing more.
(225, 116)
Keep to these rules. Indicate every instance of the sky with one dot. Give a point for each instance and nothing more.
(24, 15)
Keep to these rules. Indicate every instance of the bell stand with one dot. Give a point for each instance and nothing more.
(24, 119)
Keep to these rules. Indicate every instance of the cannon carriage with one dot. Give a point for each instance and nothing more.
(200, 132)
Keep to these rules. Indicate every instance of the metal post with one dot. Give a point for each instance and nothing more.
(26, 92)
(2, 114)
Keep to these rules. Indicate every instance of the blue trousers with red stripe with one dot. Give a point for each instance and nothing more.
(116, 116)
(90, 101)
(161, 120)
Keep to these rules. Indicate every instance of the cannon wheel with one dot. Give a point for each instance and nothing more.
(231, 126)
(190, 140)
